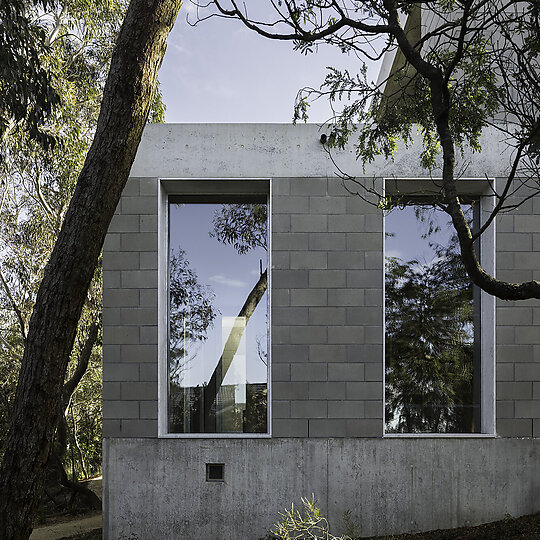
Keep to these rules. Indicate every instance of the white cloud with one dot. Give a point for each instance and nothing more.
(222, 280)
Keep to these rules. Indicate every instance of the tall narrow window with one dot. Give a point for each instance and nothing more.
(218, 314)
(432, 325)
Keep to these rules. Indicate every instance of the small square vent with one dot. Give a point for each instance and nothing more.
(215, 472)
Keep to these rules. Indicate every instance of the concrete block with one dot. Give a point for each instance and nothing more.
(356, 205)
(345, 260)
(364, 241)
(138, 242)
(364, 316)
(118, 335)
(139, 205)
(527, 260)
(374, 223)
(525, 371)
(289, 354)
(143, 391)
(309, 297)
(290, 205)
(368, 279)
(373, 334)
(373, 409)
(505, 223)
(281, 409)
(505, 260)
(281, 335)
(327, 427)
(307, 335)
(120, 372)
(131, 189)
(111, 391)
(308, 186)
(527, 223)
(345, 334)
(327, 241)
(139, 279)
(290, 390)
(527, 334)
(514, 316)
(536, 390)
(327, 353)
(514, 390)
(148, 410)
(373, 371)
(148, 298)
(514, 427)
(111, 353)
(111, 428)
(281, 223)
(139, 316)
(309, 372)
(345, 372)
(290, 279)
(364, 427)
(280, 186)
(505, 409)
(330, 316)
(505, 334)
(281, 372)
(374, 297)
(148, 372)
(329, 279)
(309, 409)
(345, 409)
(281, 260)
(112, 242)
(148, 335)
(289, 316)
(369, 353)
(290, 241)
(373, 260)
(308, 260)
(121, 260)
(527, 409)
(327, 205)
(148, 260)
(148, 223)
(111, 317)
(515, 276)
(309, 223)
(514, 242)
(111, 279)
(120, 409)
(289, 428)
(364, 390)
(346, 223)
(139, 428)
(121, 224)
(148, 186)
(514, 353)
(327, 390)
(139, 353)
(346, 297)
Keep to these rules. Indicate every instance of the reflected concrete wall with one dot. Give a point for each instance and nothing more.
(389, 485)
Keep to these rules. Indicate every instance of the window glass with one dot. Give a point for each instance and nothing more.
(432, 326)
(218, 315)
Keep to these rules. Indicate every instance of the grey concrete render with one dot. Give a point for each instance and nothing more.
(156, 488)
(326, 352)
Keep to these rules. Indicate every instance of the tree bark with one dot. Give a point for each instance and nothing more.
(124, 111)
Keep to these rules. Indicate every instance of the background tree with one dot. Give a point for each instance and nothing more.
(127, 98)
(449, 84)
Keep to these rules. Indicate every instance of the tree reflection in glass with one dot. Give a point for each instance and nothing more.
(218, 315)
(432, 363)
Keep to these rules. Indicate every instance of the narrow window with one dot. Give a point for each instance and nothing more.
(218, 314)
(432, 325)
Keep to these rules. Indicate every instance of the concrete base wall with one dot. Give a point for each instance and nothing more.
(157, 488)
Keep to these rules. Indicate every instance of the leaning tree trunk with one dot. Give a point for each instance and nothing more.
(126, 102)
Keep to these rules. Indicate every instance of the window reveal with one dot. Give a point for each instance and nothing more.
(218, 320)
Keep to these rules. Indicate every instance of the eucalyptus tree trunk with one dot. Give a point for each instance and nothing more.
(124, 111)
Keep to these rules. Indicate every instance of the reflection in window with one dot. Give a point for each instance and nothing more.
(218, 315)
(432, 330)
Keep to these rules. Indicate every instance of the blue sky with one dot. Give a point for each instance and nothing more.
(219, 71)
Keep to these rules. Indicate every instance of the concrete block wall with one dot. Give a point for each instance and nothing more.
(130, 287)
(518, 324)
(326, 311)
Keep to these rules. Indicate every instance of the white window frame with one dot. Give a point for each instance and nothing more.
(483, 189)
(202, 186)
